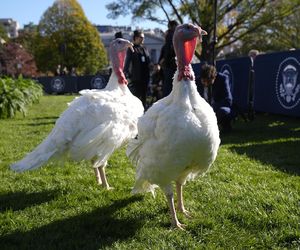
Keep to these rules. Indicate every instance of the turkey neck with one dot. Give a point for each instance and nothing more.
(113, 82)
(117, 59)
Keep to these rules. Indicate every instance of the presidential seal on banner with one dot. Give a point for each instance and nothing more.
(226, 70)
(57, 84)
(98, 82)
(288, 83)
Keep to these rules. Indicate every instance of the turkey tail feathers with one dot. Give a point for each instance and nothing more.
(132, 150)
(142, 186)
(36, 158)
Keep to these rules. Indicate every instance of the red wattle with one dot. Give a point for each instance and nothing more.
(121, 77)
(189, 49)
(121, 57)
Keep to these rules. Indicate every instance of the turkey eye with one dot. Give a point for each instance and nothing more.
(119, 42)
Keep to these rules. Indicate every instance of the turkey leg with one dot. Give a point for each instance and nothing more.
(170, 198)
(103, 178)
(180, 205)
(98, 178)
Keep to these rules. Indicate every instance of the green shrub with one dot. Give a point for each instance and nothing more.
(17, 94)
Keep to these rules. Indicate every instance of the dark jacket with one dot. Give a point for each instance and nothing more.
(137, 64)
(168, 53)
(221, 94)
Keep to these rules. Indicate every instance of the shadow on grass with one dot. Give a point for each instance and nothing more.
(40, 123)
(283, 134)
(44, 118)
(21, 118)
(95, 230)
(287, 240)
(264, 127)
(281, 155)
(21, 200)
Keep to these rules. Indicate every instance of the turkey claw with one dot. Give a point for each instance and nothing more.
(179, 226)
(186, 213)
(108, 188)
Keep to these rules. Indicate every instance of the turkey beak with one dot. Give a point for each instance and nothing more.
(201, 33)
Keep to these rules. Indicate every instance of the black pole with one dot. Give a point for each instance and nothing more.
(251, 91)
(214, 42)
(215, 39)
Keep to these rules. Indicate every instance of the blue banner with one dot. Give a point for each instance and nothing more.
(277, 83)
(238, 71)
(72, 84)
(273, 83)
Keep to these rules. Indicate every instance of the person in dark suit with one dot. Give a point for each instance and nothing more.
(137, 67)
(167, 58)
(118, 34)
(220, 97)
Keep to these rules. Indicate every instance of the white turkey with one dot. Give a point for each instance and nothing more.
(178, 137)
(94, 125)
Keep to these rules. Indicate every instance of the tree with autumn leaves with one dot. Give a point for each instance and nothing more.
(15, 60)
(65, 37)
(13, 57)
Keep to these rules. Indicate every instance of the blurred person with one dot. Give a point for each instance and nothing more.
(168, 58)
(221, 96)
(156, 83)
(253, 54)
(137, 67)
(73, 72)
(65, 71)
(118, 34)
(58, 70)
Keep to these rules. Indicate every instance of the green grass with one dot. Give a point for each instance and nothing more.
(250, 199)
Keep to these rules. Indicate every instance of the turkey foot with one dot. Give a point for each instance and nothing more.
(178, 225)
(98, 178)
(186, 213)
(103, 179)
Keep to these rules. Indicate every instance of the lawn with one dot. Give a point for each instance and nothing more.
(250, 198)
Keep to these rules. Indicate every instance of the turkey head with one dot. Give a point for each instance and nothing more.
(117, 52)
(184, 42)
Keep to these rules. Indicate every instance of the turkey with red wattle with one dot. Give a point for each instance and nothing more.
(178, 137)
(94, 125)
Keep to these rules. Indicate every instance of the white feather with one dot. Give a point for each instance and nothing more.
(178, 139)
(93, 126)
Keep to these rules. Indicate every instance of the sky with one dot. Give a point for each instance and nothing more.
(26, 11)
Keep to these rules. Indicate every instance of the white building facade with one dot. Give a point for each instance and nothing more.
(11, 27)
(153, 41)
